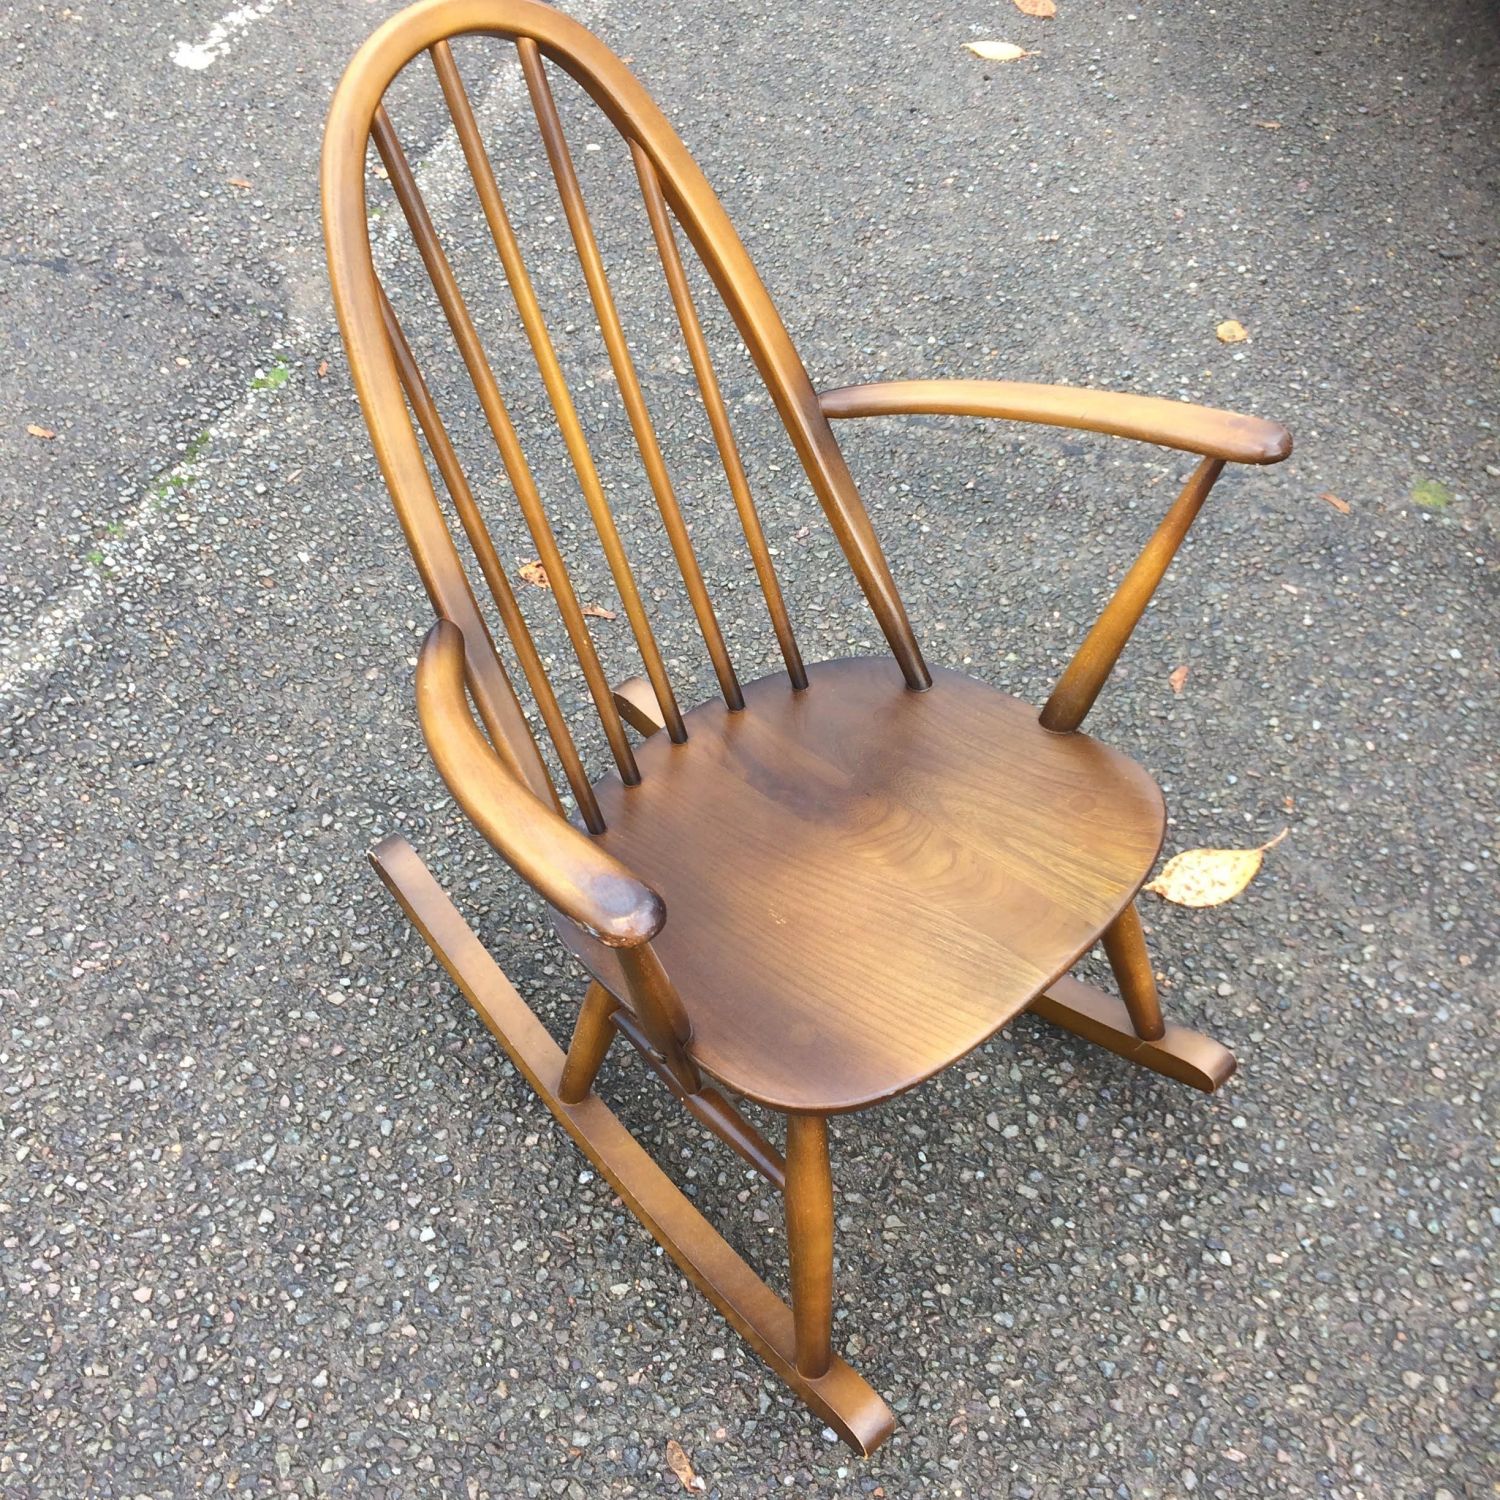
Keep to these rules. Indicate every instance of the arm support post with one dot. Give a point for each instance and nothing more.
(1079, 685)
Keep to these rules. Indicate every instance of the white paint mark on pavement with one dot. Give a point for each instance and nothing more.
(221, 35)
(157, 518)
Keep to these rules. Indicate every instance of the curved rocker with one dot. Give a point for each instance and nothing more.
(820, 888)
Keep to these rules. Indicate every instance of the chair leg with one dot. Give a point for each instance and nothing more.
(1132, 1025)
(839, 1396)
(809, 1232)
(1125, 947)
(591, 1038)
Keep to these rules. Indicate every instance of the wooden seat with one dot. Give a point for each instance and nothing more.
(862, 883)
(820, 888)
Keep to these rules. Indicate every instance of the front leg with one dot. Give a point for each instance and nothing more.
(809, 1234)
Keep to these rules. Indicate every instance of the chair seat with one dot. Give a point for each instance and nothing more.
(863, 882)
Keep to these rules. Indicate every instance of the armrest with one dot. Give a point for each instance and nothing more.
(1173, 424)
(563, 864)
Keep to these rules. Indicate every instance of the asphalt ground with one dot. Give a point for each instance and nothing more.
(275, 1215)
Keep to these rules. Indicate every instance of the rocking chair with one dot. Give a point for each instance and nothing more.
(820, 888)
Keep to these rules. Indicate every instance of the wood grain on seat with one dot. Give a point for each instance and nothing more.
(863, 882)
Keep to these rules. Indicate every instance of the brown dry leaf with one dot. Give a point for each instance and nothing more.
(322, 368)
(997, 51)
(46, 433)
(1044, 9)
(535, 574)
(598, 612)
(1178, 679)
(239, 182)
(1231, 332)
(1268, 124)
(1341, 506)
(681, 1467)
(1209, 877)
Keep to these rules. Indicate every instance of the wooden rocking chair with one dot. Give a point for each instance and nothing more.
(825, 886)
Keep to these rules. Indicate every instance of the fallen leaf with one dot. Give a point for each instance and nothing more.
(1043, 9)
(678, 1460)
(598, 612)
(1341, 506)
(535, 574)
(239, 182)
(1231, 332)
(45, 433)
(1178, 679)
(1268, 124)
(322, 368)
(997, 51)
(1209, 877)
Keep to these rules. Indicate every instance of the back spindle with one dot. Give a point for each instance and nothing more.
(558, 155)
(506, 440)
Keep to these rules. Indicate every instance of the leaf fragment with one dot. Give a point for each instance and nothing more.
(1431, 494)
(534, 573)
(1341, 506)
(1268, 124)
(1042, 9)
(1209, 877)
(322, 368)
(1178, 679)
(682, 1467)
(45, 433)
(598, 612)
(998, 51)
(239, 182)
(1231, 331)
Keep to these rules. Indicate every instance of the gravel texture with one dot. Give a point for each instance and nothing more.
(275, 1215)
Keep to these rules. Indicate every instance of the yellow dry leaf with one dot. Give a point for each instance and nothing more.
(45, 433)
(681, 1467)
(1231, 332)
(997, 51)
(535, 574)
(1041, 8)
(1209, 877)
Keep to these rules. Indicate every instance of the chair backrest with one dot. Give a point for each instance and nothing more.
(388, 377)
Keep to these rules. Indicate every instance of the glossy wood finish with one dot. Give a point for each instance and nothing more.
(863, 883)
(1174, 424)
(708, 1106)
(568, 868)
(553, 381)
(819, 889)
(592, 1035)
(1125, 947)
(1180, 1054)
(718, 415)
(839, 1397)
(1095, 659)
(809, 1234)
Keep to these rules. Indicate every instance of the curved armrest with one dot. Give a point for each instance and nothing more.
(1173, 424)
(583, 881)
